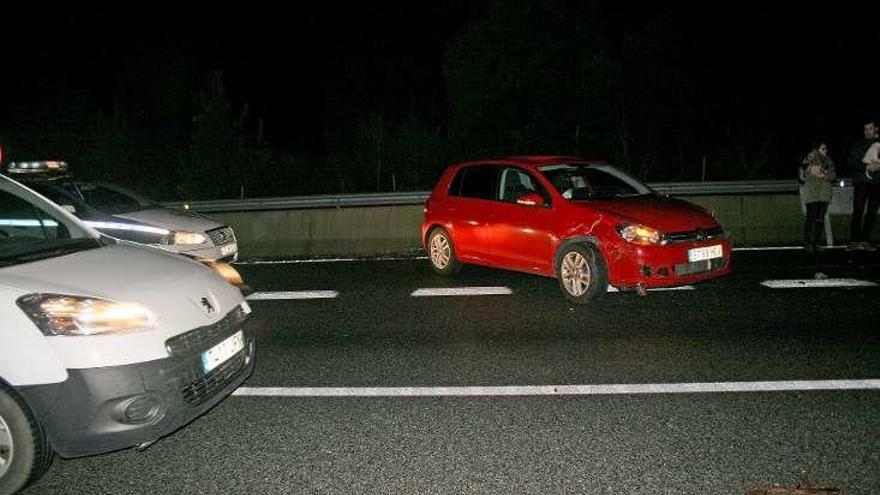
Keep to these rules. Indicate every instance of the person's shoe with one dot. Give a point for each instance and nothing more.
(869, 246)
(820, 276)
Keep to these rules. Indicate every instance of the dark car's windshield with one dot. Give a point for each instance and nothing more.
(30, 230)
(596, 182)
(113, 201)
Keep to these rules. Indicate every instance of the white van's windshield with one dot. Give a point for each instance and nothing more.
(31, 229)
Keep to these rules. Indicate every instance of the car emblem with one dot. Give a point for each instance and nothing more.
(206, 304)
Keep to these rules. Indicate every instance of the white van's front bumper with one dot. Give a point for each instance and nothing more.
(98, 410)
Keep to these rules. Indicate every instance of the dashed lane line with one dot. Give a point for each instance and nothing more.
(817, 283)
(462, 291)
(611, 288)
(560, 390)
(293, 295)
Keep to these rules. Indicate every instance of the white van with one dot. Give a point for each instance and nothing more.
(103, 345)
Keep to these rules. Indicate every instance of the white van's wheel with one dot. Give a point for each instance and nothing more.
(24, 451)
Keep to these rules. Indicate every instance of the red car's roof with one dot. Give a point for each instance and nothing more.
(532, 161)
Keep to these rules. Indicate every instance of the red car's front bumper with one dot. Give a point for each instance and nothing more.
(631, 266)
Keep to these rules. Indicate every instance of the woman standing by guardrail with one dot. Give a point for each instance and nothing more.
(817, 172)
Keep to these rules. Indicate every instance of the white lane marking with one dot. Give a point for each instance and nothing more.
(769, 248)
(462, 291)
(816, 282)
(328, 260)
(303, 294)
(548, 390)
(612, 288)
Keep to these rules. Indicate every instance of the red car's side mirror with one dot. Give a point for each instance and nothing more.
(530, 199)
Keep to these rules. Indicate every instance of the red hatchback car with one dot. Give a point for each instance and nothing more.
(583, 222)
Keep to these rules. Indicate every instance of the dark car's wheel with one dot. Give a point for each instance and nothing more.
(581, 272)
(24, 450)
(441, 252)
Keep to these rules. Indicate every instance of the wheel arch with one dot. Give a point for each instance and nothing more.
(580, 240)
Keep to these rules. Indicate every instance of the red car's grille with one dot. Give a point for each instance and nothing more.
(694, 235)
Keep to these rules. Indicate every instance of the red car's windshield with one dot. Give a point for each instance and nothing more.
(582, 182)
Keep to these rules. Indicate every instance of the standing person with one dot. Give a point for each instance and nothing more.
(866, 190)
(818, 173)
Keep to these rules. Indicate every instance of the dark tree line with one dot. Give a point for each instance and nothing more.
(517, 77)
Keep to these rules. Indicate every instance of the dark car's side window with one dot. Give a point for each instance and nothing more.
(478, 181)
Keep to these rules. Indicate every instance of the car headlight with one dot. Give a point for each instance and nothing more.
(188, 238)
(640, 234)
(61, 314)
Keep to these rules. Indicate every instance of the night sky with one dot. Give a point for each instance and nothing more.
(803, 72)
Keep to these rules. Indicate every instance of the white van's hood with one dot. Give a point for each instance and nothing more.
(171, 219)
(113, 272)
(176, 289)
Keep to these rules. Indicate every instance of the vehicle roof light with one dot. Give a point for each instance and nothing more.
(46, 167)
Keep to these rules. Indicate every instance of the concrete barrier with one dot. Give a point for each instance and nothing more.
(752, 220)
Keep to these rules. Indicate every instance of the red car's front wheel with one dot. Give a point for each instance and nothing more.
(581, 272)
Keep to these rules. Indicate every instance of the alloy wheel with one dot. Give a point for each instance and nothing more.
(576, 274)
(441, 251)
(6, 447)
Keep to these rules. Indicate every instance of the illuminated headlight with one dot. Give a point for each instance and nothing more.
(60, 314)
(188, 238)
(640, 234)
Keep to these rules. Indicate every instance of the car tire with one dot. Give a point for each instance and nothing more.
(581, 272)
(25, 453)
(441, 252)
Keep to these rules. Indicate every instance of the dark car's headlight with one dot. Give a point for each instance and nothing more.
(182, 238)
(641, 235)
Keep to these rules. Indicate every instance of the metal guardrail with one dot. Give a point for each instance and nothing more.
(419, 197)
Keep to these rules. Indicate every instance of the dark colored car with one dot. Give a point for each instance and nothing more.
(584, 222)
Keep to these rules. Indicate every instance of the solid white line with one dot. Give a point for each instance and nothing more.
(817, 282)
(305, 294)
(327, 260)
(462, 291)
(549, 390)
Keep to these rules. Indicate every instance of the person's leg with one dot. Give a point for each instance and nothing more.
(860, 197)
(872, 201)
(813, 209)
(819, 226)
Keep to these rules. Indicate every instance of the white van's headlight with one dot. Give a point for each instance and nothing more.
(60, 314)
(188, 238)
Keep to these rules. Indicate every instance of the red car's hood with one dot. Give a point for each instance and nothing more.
(664, 214)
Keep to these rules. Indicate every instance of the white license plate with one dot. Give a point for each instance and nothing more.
(705, 253)
(228, 249)
(216, 355)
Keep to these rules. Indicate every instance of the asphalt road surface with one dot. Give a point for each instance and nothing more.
(365, 388)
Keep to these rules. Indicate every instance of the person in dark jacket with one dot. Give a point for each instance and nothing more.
(866, 191)
(817, 173)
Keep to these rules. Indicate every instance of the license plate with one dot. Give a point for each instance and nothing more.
(218, 354)
(228, 249)
(705, 253)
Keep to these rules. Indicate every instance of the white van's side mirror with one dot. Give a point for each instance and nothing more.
(69, 208)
